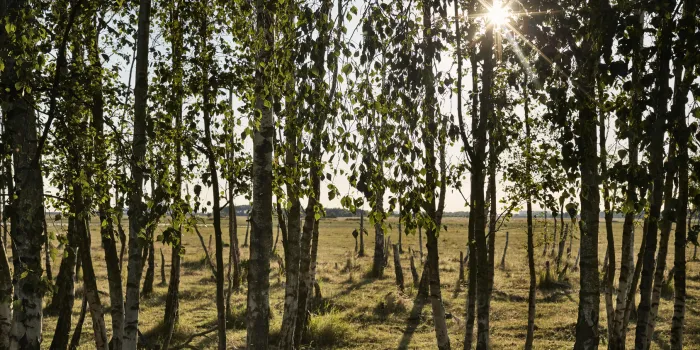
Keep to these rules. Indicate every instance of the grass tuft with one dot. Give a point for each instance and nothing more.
(667, 289)
(550, 282)
(389, 304)
(329, 330)
(236, 317)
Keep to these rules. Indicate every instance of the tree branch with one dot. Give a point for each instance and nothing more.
(61, 64)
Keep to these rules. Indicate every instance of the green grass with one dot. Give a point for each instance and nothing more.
(328, 330)
(363, 313)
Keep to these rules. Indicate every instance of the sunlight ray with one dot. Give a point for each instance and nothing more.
(551, 63)
(523, 60)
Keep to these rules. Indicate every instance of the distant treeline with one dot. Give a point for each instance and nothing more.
(241, 210)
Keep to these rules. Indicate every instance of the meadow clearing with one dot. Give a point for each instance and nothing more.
(363, 313)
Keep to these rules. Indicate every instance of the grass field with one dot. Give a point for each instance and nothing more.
(362, 313)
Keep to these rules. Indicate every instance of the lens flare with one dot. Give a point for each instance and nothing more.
(498, 14)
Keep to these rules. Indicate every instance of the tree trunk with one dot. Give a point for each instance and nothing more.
(656, 162)
(682, 135)
(617, 339)
(120, 230)
(681, 229)
(443, 340)
(530, 234)
(64, 298)
(665, 228)
(414, 272)
(80, 205)
(400, 231)
(532, 293)
(471, 242)
(28, 210)
(5, 299)
(493, 215)
(136, 205)
(109, 242)
(397, 267)
(47, 251)
(635, 281)
(207, 257)
(605, 262)
(378, 210)
(305, 268)
(564, 232)
(362, 233)
(562, 244)
(75, 339)
(234, 275)
(586, 141)
(147, 287)
(554, 237)
(314, 210)
(207, 89)
(172, 302)
(609, 264)
(6, 179)
(420, 241)
(432, 178)
(478, 210)
(306, 263)
(247, 229)
(292, 249)
(569, 250)
(314, 264)
(505, 250)
(90, 291)
(544, 236)
(387, 251)
(277, 238)
(261, 221)
(163, 282)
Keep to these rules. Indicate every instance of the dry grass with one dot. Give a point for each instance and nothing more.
(362, 313)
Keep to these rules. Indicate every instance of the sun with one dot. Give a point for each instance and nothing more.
(498, 14)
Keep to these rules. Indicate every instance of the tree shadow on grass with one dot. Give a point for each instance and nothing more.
(207, 342)
(660, 341)
(414, 318)
(152, 338)
(353, 286)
